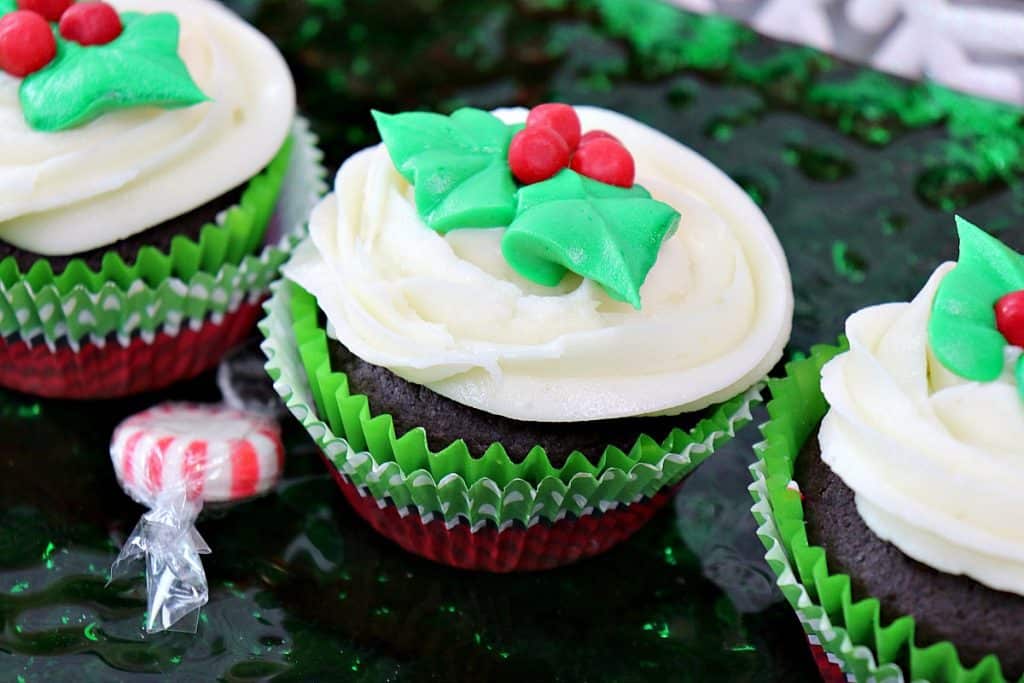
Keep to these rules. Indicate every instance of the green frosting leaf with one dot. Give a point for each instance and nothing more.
(141, 67)
(457, 164)
(7, 6)
(962, 329)
(609, 234)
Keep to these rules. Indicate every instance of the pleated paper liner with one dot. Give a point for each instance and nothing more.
(851, 633)
(510, 548)
(237, 233)
(452, 486)
(74, 317)
(149, 361)
(161, 288)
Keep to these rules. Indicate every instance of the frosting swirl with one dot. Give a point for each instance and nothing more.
(932, 458)
(448, 312)
(62, 193)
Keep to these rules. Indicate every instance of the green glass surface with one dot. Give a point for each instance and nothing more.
(860, 174)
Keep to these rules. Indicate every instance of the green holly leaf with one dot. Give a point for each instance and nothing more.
(609, 234)
(141, 67)
(7, 6)
(458, 166)
(962, 330)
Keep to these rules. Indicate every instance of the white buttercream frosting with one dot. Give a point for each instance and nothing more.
(447, 312)
(934, 459)
(66, 192)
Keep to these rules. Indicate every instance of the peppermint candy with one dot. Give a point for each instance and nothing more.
(196, 453)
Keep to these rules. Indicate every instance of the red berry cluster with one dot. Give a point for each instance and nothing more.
(27, 43)
(552, 141)
(1010, 317)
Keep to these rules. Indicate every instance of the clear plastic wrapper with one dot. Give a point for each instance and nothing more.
(174, 458)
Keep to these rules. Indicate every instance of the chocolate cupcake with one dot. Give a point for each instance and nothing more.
(154, 178)
(887, 493)
(505, 329)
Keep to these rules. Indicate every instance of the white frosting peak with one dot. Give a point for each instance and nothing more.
(79, 189)
(934, 459)
(448, 312)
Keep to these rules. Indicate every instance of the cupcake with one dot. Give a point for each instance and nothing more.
(887, 491)
(153, 179)
(513, 333)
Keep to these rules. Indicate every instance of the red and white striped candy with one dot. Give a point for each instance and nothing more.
(204, 453)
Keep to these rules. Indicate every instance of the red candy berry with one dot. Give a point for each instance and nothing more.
(597, 135)
(1010, 317)
(605, 160)
(51, 10)
(561, 118)
(536, 154)
(26, 43)
(91, 23)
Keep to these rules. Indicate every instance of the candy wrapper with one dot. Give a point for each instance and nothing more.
(173, 458)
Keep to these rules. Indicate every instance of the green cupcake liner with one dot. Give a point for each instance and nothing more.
(852, 631)
(452, 484)
(192, 282)
(236, 233)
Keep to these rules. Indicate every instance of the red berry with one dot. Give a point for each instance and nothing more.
(91, 23)
(559, 117)
(26, 43)
(606, 161)
(1010, 317)
(536, 154)
(51, 10)
(597, 135)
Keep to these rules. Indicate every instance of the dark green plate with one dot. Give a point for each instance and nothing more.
(860, 174)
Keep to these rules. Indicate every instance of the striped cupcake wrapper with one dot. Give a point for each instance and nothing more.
(87, 342)
(852, 637)
(172, 290)
(499, 503)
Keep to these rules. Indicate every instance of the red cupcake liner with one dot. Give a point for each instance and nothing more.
(831, 671)
(113, 370)
(514, 549)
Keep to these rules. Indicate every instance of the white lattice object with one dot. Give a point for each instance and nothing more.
(801, 21)
(975, 46)
(935, 38)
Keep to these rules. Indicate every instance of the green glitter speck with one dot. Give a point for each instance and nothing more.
(19, 587)
(90, 632)
(48, 555)
(846, 263)
(661, 629)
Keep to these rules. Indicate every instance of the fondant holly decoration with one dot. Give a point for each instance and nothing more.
(100, 62)
(26, 43)
(609, 234)
(1010, 317)
(978, 309)
(91, 23)
(536, 154)
(590, 136)
(464, 169)
(51, 10)
(560, 118)
(457, 164)
(140, 68)
(606, 160)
